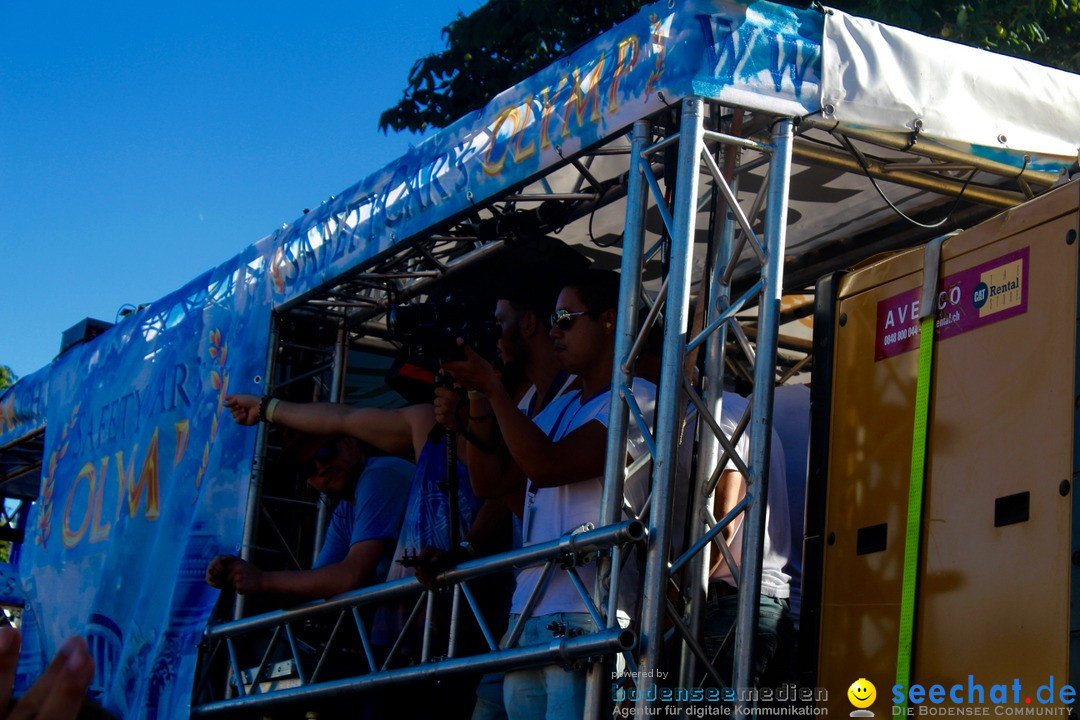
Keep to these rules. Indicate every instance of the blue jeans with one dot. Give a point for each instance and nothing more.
(550, 692)
(489, 698)
(775, 632)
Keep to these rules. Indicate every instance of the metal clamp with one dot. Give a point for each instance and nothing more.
(570, 555)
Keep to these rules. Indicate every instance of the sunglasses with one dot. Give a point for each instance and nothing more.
(564, 319)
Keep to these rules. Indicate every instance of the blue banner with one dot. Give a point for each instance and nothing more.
(765, 53)
(142, 485)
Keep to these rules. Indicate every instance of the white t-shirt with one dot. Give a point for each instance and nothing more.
(526, 402)
(791, 420)
(774, 578)
(525, 405)
(550, 513)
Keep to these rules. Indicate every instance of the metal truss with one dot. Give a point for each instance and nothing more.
(413, 271)
(21, 463)
(678, 389)
(732, 334)
(306, 368)
(287, 646)
(415, 266)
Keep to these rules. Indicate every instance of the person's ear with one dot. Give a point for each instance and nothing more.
(528, 324)
(608, 319)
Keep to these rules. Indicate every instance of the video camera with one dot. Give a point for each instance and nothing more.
(430, 330)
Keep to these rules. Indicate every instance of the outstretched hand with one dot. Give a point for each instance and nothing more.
(60, 691)
(244, 408)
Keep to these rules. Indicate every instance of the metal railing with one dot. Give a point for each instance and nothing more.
(279, 630)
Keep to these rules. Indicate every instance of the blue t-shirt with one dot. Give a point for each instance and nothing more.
(375, 512)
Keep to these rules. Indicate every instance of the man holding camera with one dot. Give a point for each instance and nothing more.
(525, 350)
(561, 452)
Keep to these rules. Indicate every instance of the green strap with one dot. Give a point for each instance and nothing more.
(915, 500)
(931, 263)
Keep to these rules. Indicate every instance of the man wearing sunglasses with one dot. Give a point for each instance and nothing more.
(532, 377)
(370, 493)
(561, 453)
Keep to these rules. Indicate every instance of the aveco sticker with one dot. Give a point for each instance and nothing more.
(967, 300)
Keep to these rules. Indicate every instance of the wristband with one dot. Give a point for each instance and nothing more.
(270, 407)
(262, 408)
(482, 417)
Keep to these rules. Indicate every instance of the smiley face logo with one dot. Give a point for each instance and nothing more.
(862, 693)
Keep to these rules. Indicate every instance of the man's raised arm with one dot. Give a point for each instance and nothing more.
(393, 431)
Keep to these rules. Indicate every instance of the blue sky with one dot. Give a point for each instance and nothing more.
(142, 143)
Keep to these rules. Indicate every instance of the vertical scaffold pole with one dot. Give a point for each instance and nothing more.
(258, 469)
(670, 406)
(760, 428)
(607, 576)
(337, 395)
(708, 446)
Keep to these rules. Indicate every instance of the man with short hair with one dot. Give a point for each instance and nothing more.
(526, 350)
(360, 539)
(562, 452)
(426, 520)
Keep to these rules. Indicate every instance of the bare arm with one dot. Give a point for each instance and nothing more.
(492, 472)
(729, 491)
(576, 457)
(356, 570)
(497, 476)
(394, 431)
(490, 531)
